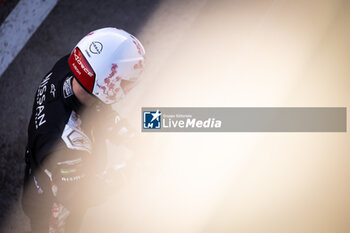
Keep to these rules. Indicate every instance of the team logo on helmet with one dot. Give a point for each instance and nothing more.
(96, 47)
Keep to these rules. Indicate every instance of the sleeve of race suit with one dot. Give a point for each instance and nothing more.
(71, 172)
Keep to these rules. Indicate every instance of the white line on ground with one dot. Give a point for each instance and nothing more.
(19, 26)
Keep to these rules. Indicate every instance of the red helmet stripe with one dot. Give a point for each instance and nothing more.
(82, 69)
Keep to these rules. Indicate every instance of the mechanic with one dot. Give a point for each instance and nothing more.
(66, 151)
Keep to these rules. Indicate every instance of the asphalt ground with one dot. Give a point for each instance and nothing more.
(6, 7)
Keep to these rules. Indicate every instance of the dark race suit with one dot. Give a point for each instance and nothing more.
(59, 155)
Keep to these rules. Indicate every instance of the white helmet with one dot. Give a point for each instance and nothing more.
(103, 59)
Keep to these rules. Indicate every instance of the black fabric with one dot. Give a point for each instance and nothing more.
(54, 103)
(72, 100)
